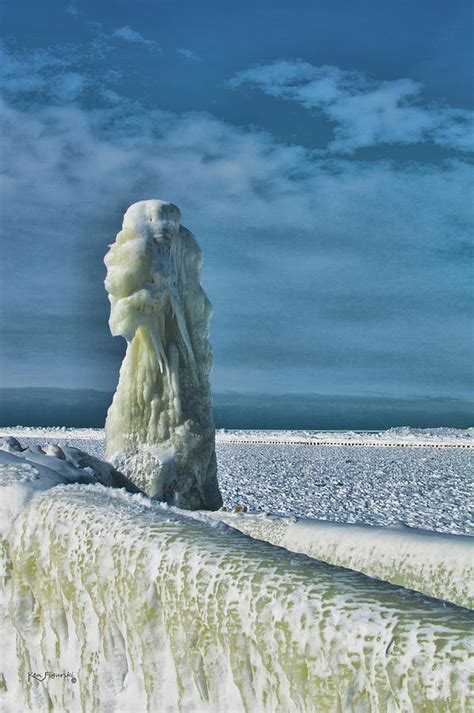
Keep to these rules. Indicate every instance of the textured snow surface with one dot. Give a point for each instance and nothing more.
(426, 488)
(152, 610)
(433, 563)
(441, 566)
(405, 434)
(394, 436)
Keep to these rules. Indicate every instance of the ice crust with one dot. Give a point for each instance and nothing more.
(435, 564)
(399, 436)
(425, 487)
(27, 471)
(405, 435)
(152, 610)
(160, 428)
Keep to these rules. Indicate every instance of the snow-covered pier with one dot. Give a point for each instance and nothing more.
(366, 444)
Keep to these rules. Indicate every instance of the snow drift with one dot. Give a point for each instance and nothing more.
(436, 564)
(150, 609)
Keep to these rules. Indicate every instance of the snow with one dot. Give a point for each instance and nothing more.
(26, 472)
(436, 564)
(426, 488)
(146, 605)
(160, 427)
(400, 436)
(20, 481)
(417, 437)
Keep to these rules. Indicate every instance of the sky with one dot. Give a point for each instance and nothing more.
(321, 152)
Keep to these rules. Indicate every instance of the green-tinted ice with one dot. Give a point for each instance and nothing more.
(154, 611)
(437, 564)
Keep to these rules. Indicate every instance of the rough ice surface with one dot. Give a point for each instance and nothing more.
(438, 565)
(152, 610)
(423, 487)
(66, 464)
(25, 472)
(160, 428)
(399, 436)
(404, 435)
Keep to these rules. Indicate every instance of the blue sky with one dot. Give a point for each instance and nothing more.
(320, 152)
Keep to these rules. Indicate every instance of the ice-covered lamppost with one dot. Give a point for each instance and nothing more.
(160, 427)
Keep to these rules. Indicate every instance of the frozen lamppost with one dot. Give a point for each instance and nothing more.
(160, 428)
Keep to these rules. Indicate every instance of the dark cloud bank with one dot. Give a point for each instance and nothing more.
(87, 408)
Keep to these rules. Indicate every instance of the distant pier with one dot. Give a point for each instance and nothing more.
(380, 444)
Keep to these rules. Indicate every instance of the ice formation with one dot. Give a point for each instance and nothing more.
(399, 436)
(132, 605)
(160, 428)
(151, 610)
(26, 472)
(437, 564)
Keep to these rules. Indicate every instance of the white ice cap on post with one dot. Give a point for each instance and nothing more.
(163, 214)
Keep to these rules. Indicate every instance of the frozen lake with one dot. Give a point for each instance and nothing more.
(425, 487)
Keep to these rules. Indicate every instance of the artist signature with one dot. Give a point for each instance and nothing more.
(50, 674)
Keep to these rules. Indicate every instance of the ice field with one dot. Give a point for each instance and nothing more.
(152, 608)
(423, 487)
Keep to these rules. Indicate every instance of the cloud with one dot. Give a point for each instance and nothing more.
(31, 71)
(71, 10)
(326, 274)
(130, 35)
(365, 112)
(41, 72)
(53, 76)
(189, 55)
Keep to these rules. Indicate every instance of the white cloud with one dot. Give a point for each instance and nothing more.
(128, 34)
(111, 96)
(52, 76)
(41, 71)
(189, 55)
(300, 250)
(69, 86)
(364, 112)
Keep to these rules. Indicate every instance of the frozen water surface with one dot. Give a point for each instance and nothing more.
(152, 609)
(428, 488)
(422, 487)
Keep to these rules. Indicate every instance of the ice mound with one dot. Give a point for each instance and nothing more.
(398, 436)
(151, 610)
(160, 427)
(26, 472)
(439, 565)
